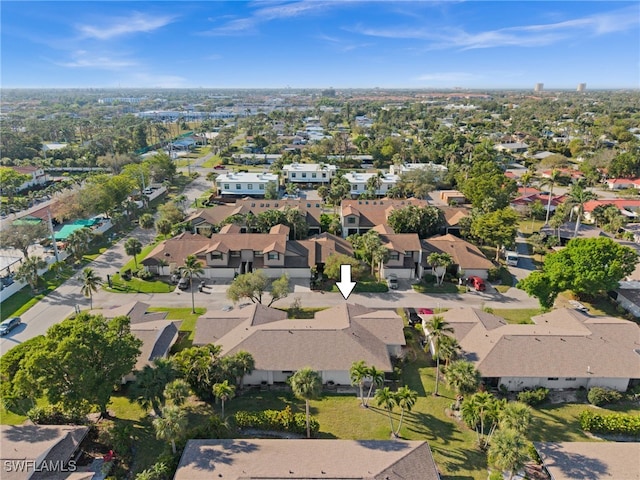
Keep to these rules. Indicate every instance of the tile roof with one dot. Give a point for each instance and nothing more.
(333, 340)
(331, 459)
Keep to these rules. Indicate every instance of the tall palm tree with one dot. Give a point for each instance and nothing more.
(90, 283)
(508, 451)
(578, 196)
(245, 364)
(177, 391)
(386, 398)
(449, 350)
(171, 425)
(28, 271)
(437, 328)
(406, 399)
(192, 267)
(149, 388)
(439, 263)
(133, 247)
(462, 377)
(551, 181)
(223, 392)
(358, 374)
(516, 416)
(306, 385)
(376, 379)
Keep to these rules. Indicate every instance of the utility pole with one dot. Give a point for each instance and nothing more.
(53, 237)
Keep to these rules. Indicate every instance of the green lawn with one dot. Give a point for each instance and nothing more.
(517, 315)
(136, 285)
(446, 287)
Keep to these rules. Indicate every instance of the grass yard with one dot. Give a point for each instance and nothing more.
(517, 315)
(136, 285)
(187, 328)
(527, 227)
(446, 287)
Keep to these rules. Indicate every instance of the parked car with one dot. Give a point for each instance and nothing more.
(476, 283)
(183, 284)
(578, 306)
(413, 316)
(219, 167)
(425, 311)
(392, 281)
(9, 324)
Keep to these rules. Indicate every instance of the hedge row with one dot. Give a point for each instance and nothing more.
(277, 420)
(613, 423)
(533, 397)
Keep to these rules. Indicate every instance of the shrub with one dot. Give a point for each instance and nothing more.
(429, 279)
(493, 274)
(143, 274)
(276, 420)
(614, 423)
(602, 396)
(533, 397)
(54, 415)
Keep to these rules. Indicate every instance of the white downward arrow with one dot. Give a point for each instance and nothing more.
(345, 285)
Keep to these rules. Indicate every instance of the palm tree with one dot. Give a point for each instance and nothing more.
(90, 283)
(439, 263)
(223, 392)
(376, 379)
(578, 196)
(386, 399)
(508, 451)
(149, 388)
(78, 242)
(28, 271)
(171, 425)
(479, 411)
(551, 181)
(462, 377)
(177, 391)
(358, 374)
(164, 226)
(449, 349)
(192, 267)
(146, 221)
(406, 399)
(516, 416)
(436, 328)
(133, 247)
(245, 364)
(306, 385)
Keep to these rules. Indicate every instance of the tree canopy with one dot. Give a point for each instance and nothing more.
(587, 266)
(496, 228)
(253, 285)
(425, 221)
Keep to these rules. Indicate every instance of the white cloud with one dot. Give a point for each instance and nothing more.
(149, 80)
(118, 26)
(84, 59)
(448, 77)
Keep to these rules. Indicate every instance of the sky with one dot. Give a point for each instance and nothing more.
(320, 44)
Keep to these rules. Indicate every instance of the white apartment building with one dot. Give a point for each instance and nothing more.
(439, 171)
(245, 183)
(309, 172)
(358, 182)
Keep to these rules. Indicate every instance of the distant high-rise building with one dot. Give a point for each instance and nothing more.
(539, 87)
(581, 87)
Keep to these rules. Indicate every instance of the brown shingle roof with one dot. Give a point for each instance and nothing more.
(333, 340)
(175, 250)
(464, 254)
(375, 212)
(236, 459)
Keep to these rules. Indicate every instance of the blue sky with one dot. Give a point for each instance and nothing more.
(309, 44)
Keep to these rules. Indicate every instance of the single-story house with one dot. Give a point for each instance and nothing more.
(564, 348)
(467, 258)
(628, 207)
(590, 460)
(329, 343)
(623, 183)
(236, 459)
(628, 296)
(41, 451)
(157, 333)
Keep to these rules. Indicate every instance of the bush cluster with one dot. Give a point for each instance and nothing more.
(277, 420)
(612, 423)
(602, 396)
(533, 397)
(54, 415)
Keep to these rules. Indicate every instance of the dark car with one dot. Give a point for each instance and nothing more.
(414, 318)
(219, 167)
(9, 324)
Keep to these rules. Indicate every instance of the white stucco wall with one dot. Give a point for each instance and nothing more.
(517, 384)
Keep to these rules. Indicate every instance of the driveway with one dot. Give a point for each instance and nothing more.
(525, 261)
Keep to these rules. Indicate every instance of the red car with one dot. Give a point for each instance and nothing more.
(425, 311)
(219, 167)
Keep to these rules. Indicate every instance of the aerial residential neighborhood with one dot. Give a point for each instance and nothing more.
(246, 260)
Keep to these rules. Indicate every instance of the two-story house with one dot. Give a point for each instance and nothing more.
(359, 182)
(360, 216)
(405, 253)
(244, 183)
(439, 171)
(313, 173)
(37, 176)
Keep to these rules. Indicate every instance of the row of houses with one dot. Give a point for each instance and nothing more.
(235, 249)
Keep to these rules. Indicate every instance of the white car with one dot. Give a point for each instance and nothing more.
(392, 281)
(578, 306)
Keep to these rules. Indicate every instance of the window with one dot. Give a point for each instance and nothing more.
(394, 256)
(250, 186)
(351, 220)
(304, 175)
(293, 174)
(238, 186)
(354, 187)
(216, 255)
(552, 379)
(324, 175)
(262, 186)
(226, 186)
(314, 175)
(273, 256)
(570, 379)
(408, 254)
(235, 253)
(258, 254)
